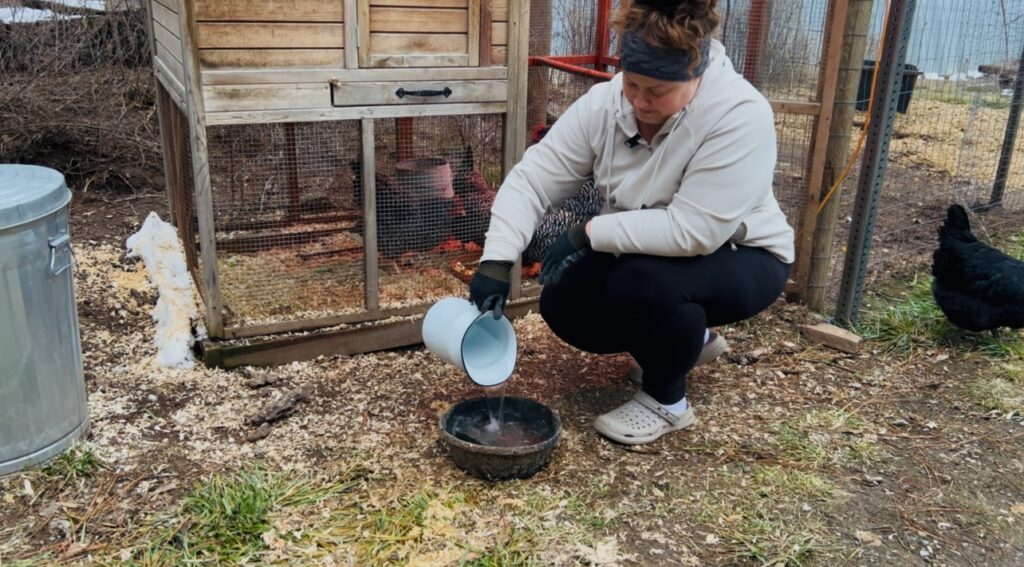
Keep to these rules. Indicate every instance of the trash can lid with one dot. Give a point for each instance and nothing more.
(28, 192)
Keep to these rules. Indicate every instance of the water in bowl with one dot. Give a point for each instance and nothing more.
(506, 428)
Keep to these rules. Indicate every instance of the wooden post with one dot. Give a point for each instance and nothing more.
(352, 36)
(201, 167)
(369, 204)
(475, 32)
(758, 31)
(515, 118)
(294, 191)
(540, 44)
(831, 53)
(363, 41)
(1010, 138)
(403, 131)
(855, 34)
(486, 20)
(891, 63)
(601, 38)
(162, 121)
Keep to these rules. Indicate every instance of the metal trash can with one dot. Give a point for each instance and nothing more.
(42, 387)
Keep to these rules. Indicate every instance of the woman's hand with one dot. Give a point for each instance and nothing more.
(567, 249)
(489, 287)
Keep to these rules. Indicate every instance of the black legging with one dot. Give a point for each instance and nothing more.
(657, 308)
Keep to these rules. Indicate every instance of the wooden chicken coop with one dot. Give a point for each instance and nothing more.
(330, 163)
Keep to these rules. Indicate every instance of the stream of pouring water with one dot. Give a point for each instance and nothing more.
(496, 421)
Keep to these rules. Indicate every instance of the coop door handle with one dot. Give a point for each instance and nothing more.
(402, 93)
(60, 243)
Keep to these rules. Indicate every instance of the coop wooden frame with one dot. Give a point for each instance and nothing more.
(234, 62)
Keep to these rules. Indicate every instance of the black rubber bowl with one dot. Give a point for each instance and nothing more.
(495, 462)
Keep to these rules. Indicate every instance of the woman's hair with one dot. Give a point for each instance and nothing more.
(671, 24)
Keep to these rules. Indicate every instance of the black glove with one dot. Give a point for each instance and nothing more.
(490, 285)
(564, 251)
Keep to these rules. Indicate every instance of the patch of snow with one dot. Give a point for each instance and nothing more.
(158, 245)
(968, 76)
(21, 15)
(88, 4)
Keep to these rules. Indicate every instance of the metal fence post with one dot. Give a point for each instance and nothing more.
(876, 153)
(1012, 122)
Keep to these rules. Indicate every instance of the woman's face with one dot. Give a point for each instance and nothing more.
(654, 100)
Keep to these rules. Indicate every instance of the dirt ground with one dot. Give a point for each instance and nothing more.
(801, 454)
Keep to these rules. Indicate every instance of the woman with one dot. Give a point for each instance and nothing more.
(690, 237)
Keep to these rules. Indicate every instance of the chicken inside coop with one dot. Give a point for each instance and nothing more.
(433, 214)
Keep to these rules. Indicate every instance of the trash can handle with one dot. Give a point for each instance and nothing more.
(63, 240)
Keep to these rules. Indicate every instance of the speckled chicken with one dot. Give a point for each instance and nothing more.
(583, 205)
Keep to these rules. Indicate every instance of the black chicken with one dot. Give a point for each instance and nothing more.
(407, 220)
(474, 197)
(978, 287)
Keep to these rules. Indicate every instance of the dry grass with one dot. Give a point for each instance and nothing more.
(77, 95)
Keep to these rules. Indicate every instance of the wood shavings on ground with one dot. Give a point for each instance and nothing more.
(779, 442)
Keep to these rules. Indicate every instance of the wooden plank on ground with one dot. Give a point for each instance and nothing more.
(269, 10)
(406, 43)
(267, 58)
(418, 20)
(348, 341)
(234, 35)
(832, 336)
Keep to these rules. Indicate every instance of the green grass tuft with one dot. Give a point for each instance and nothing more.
(517, 551)
(76, 463)
(908, 320)
(825, 438)
(770, 514)
(223, 519)
(1001, 389)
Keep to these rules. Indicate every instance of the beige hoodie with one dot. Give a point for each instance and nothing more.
(705, 180)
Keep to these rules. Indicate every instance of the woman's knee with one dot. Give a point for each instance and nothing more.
(638, 283)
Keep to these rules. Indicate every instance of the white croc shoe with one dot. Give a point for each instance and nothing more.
(714, 348)
(641, 420)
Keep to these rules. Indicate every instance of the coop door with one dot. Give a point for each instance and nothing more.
(423, 33)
